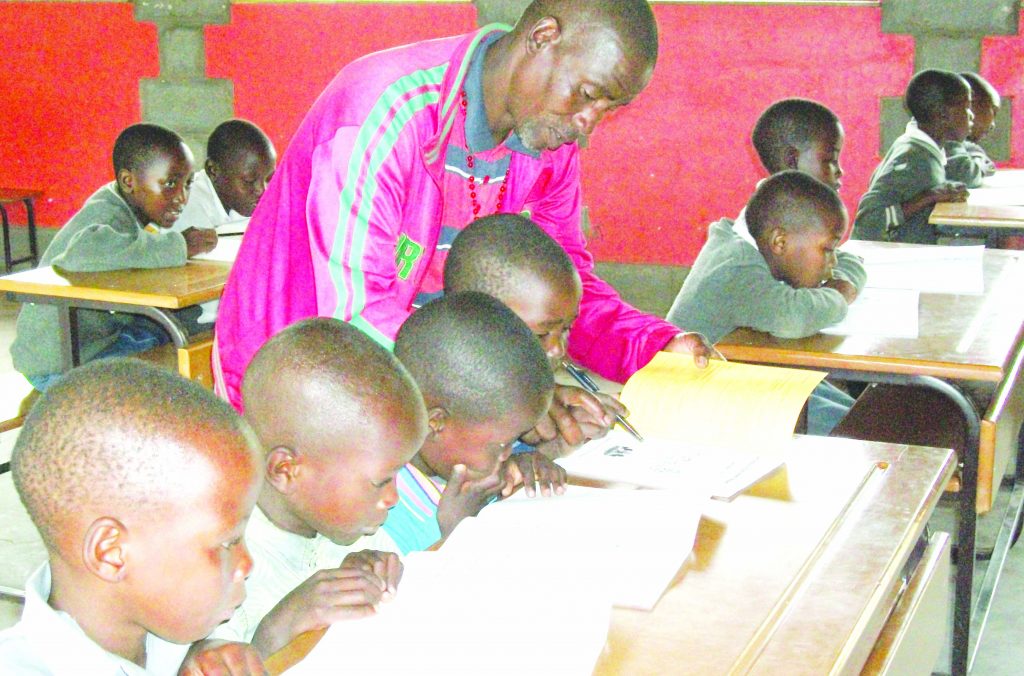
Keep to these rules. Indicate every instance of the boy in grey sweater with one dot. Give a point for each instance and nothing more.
(124, 224)
(967, 161)
(912, 176)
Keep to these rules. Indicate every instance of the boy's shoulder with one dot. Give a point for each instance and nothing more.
(47, 641)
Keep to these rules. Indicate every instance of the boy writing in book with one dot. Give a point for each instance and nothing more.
(967, 161)
(142, 516)
(912, 176)
(485, 381)
(508, 257)
(787, 280)
(337, 416)
(240, 161)
(125, 224)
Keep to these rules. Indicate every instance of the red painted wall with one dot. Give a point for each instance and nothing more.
(655, 173)
(70, 84)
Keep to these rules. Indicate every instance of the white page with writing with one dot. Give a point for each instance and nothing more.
(469, 616)
(928, 269)
(226, 250)
(887, 313)
(996, 197)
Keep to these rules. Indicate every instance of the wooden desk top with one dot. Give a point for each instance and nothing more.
(170, 288)
(797, 576)
(8, 195)
(977, 215)
(961, 337)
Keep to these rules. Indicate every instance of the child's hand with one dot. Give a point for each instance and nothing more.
(695, 344)
(385, 565)
(531, 469)
(199, 240)
(328, 596)
(464, 497)
(221, 658)
(950, 191)
(848, 290)
(574, 416)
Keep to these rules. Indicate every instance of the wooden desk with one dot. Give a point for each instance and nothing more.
(798, 576)
(144, 292)
(27, 197)
(962, 338)
(978, 216)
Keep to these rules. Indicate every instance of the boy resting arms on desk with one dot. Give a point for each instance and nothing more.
(337, 416)
(140, 483)
(125, 224)
(966, 161)
(485, 382)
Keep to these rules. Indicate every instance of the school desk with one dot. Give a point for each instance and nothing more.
(10, 196)
(981, 215)
(803, 574)
(963, 339)
(150, 293)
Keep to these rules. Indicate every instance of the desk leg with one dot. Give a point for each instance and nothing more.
(167, 320)
(967, 516)
(68, 317)
(33, 245)
(8, 256)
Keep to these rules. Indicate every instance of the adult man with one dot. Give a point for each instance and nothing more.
(406, 147)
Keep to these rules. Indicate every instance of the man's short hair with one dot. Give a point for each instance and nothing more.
(233, 137)
(114, 432)
(632, 20)
(494, 253)
(931, 92)
(472, 355)
(138, 144)
(783, 198)
(793, 123)
(981, 88)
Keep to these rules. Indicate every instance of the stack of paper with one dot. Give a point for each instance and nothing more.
(887, 313)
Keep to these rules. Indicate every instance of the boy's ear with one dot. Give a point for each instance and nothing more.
(791, 157)
(211, 168)
(282, 468)
(546, 32)
(437, 418)
(126, 181)
(105, 549)
(777, 240)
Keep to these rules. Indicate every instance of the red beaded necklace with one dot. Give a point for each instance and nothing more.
(470, 162)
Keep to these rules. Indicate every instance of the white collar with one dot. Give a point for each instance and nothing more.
(914, 132)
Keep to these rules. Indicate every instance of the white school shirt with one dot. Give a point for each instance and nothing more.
(48, 641)
(281, 562)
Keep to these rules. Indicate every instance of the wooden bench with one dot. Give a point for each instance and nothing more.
(192, 361)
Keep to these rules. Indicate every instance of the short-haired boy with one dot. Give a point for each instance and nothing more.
(337, 416)
(509, 257)
(485, 381)
(967, 161)
(240, 161)
(800, 134)
(787, 279)
(140, 483)
(125, 224)
(912, 176)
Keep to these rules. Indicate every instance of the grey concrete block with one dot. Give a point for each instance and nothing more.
(997, 143)
(182, 53)
(183, 12)
(499, 11)
(949, 53)
(961, 18)
(893, 121)
(198, 105)
(650, 288)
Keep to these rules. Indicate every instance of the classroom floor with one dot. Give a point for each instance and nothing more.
(1001, 653)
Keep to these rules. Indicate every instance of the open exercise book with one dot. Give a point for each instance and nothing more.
(725, 425)
(524, 588)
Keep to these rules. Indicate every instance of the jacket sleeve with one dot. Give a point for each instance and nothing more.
(98, 248)
(961, 166)
(610, 336)
(761, 302)
(898, 179)
(851, 268)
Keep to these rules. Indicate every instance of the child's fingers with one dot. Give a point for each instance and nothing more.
(457, 480)
(393, 575)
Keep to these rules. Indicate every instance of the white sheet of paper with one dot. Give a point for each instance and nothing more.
(663, 463)
(888, 313)
(996, 197)
(226, 250)
(1005, 178)
(928, 269)
(470, 616)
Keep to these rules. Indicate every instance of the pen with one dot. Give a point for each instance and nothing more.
(587, 383)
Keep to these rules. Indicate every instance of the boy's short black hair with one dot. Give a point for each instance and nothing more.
(115, 431)
(472, 355)
(790, 123)
(931, 92)
(138, 144)
(981, 88)
(491, 254)
(235, 136)
(781, 199)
